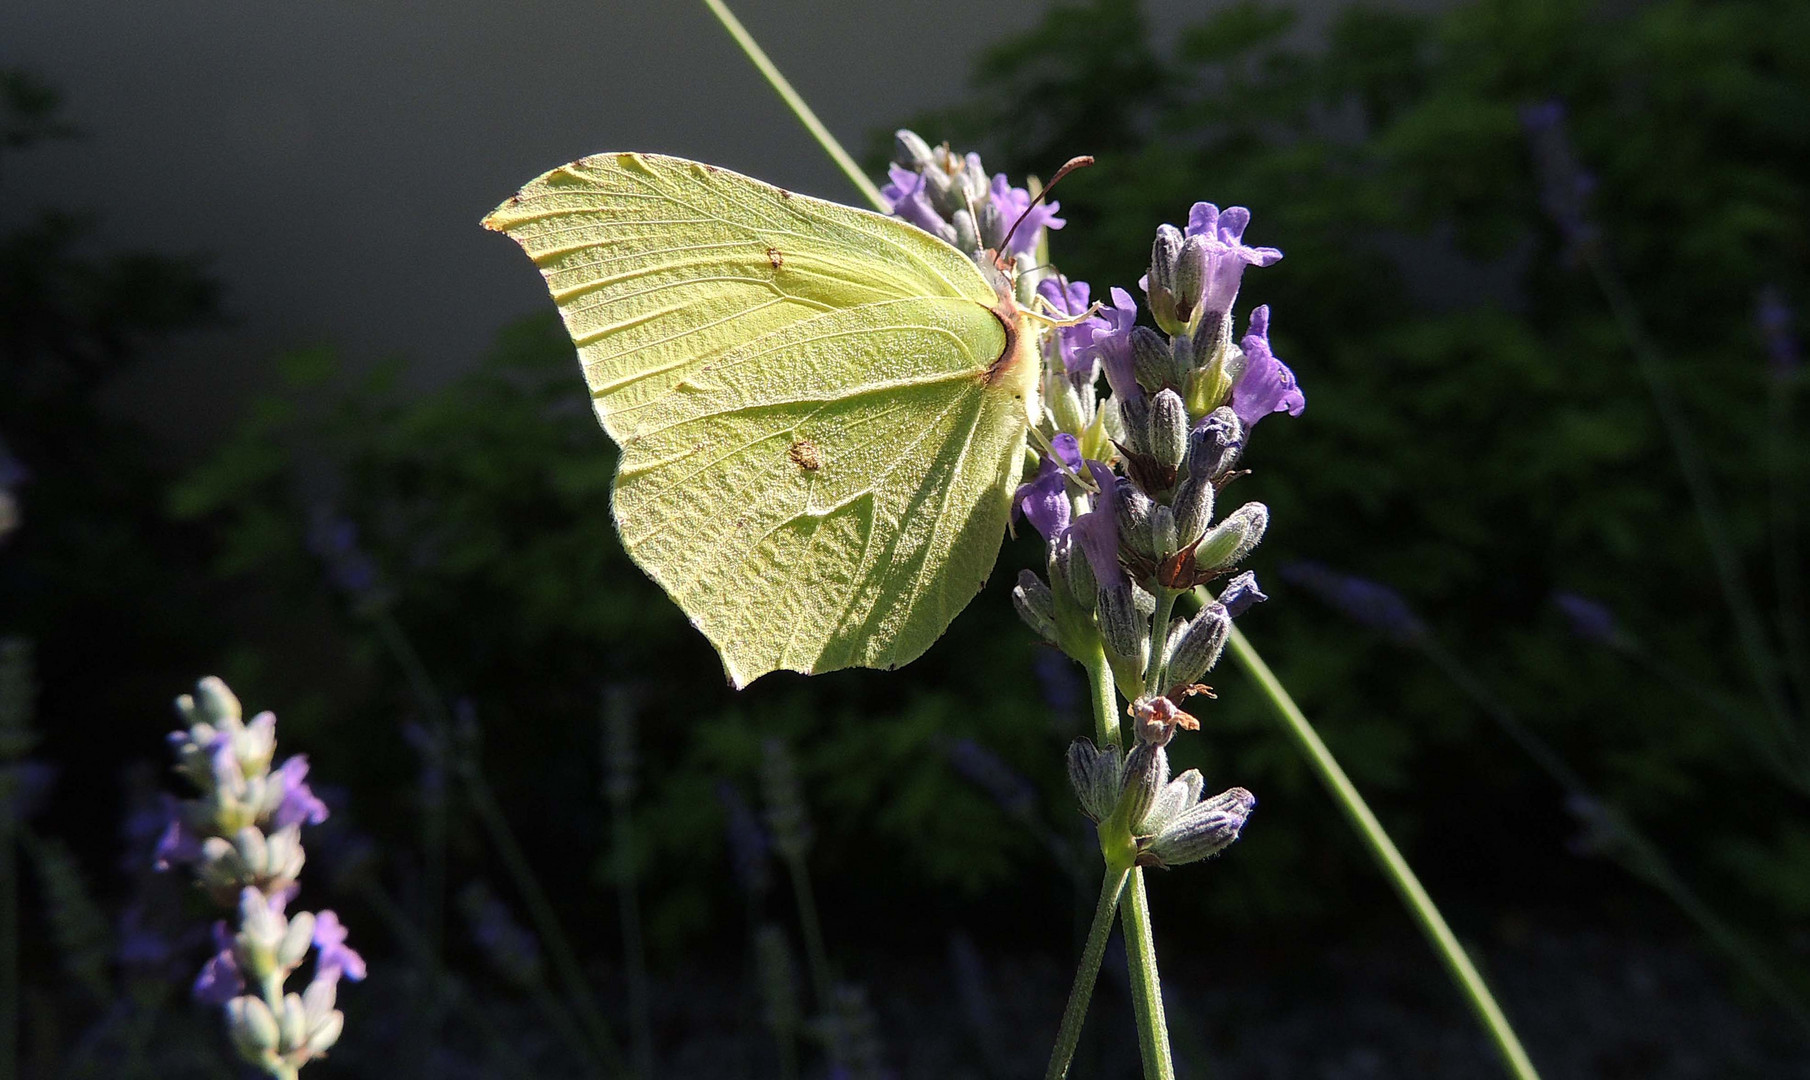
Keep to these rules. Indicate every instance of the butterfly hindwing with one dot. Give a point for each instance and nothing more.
(814, 463)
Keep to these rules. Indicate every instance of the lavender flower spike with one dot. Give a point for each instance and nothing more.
(1266, 385)
(1370, 603)
(1589, 619)
(242, 837)
(1773, 318)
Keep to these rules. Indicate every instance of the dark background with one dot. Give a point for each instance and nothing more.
(242, 293)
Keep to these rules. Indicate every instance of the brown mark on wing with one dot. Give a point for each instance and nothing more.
(805, 455)
(774, 257)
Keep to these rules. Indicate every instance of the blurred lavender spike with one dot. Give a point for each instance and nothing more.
(986, 770)
(1565, 186)
(1590, 620)
(333, 539)
(1367, 602)
(750, 853)
(1773, 318)
(511, 949)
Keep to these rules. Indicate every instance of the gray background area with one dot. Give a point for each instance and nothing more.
(332, 157)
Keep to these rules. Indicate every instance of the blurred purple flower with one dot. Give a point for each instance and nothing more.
(1589, 619)
(749, 849)
(1773, 317)
(23, 786)
(1367, 602)
(1267, 385)
(334, 541)
(1112, 344)
(1565, 186)
(509, 947)
(1062, 690)
(220, 980)
(1227, 255)
(332, 957)
(177, 844)
(1044, 499)
(1013, 202)
(299, 803)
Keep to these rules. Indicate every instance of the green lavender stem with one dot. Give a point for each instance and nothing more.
(1068, 1036)
(758, 57)
(1389, 860)
(1146, 987)
(629, 908)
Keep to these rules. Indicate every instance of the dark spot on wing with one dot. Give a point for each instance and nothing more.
(805, 455)
(774, 257)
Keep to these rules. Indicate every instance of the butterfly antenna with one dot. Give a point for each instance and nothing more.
(1069, 166)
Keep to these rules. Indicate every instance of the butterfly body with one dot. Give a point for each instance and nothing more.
(822, 411)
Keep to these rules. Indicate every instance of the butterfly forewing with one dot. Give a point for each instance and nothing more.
(814, 463)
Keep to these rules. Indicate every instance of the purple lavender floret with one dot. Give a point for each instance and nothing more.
(334, 541)
(333, 957)
(1227, 254)
(220, 980)
(1241, 594)
(1111, 344)
(299, 804)
(1014, 202)
(1071, 298)
(1367, 602)
(1043, 500)
(1588, 619)
(906, 198)
(1266, 385)
(1098, 529)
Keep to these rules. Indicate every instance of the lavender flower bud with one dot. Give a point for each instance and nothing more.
(1232, 539)
(1203, 830)
(1036, 605)
(1146, 771)
(1134, 419)
(1159, 287)
(292, 1023)
(1125, 630)
(1240, 594)
(1094, 774)
(325, 1035)
(1193, 508)
(1217, 441)
(1152, 364)
(1200, 645)
(787, 819)
(1134, 510)
(1068, 561)
(967, 232)
(1190, 279)
(1176, 796)
(253, 1030)
(298, 938)
(910, 150)
(1167, 436)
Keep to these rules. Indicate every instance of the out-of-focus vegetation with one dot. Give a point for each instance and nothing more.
(1476, 436)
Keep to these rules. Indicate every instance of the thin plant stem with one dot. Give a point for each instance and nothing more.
(1642, 857)
(1103, 694)
(758, 57)
(540, 909)
(515, 861)
(1146, 987)
(1159, 639)
(629, 907)
(1389, 860)
(9, 947)
(1068, 1036)
(1710, 517)
(1788, 580)
(822, 981)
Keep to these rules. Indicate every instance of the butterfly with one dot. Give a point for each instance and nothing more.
(822, 411)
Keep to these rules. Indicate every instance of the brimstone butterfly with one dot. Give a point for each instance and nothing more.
(822, 411)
